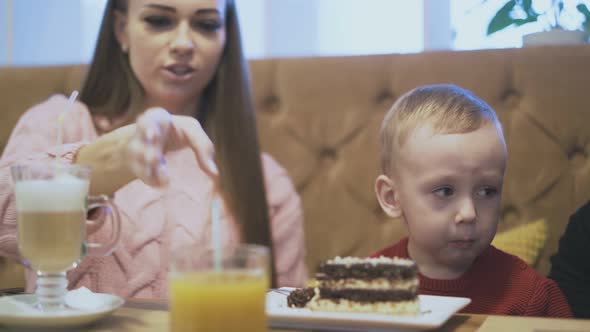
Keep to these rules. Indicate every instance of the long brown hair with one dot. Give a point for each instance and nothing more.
(226, 112)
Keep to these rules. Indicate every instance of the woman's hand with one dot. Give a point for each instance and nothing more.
(156, 133)
(138, 151)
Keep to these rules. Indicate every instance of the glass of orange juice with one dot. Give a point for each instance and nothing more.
(214, 293)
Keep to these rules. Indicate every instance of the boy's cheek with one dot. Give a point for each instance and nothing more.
(492, 210)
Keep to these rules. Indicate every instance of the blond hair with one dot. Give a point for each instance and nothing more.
(448, 109)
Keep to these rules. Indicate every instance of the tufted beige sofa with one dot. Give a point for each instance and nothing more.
(319, 117)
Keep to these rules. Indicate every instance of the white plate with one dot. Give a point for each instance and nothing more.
(436, 310)
(12, 316)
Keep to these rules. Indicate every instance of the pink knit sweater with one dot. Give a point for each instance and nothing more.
(154, 221)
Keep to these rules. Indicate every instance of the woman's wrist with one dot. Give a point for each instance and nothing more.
(106, 157)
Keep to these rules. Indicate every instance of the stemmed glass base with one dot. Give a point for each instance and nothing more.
(51, 290)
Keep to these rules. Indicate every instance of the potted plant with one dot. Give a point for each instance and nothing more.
(564, 21)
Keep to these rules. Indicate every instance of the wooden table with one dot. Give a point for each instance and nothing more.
(152, 316)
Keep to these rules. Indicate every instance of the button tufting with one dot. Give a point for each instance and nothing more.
(510, 215)
(577, 156)
(510, 97)
(385, 98)
(271, 104)
(328, 153)
(378, 211)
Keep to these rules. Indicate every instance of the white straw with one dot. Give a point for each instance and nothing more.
(60, 119)
(216, 233)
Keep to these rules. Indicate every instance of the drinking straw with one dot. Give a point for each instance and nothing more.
(216, 233)
(60, 119)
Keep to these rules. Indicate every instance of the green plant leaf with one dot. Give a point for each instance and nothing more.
(527, 5)
(502, 19)
(531, 15)
(529, 19)
(560, 7)
(584, 10)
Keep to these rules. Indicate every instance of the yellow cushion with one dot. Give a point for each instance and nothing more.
(524, 241)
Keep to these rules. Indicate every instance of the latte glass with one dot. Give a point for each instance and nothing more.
(52, 203)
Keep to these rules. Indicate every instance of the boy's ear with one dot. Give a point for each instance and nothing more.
(387, 196)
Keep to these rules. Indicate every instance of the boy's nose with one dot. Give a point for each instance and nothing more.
(466, 212)
(182, 42)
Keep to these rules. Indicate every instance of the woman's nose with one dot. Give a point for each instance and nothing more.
(182, 42)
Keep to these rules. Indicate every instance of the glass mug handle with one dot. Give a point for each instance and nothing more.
(108, 211)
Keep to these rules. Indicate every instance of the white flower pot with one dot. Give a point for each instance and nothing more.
(555, 37)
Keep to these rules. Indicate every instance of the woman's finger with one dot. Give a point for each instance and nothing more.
(155, 124)
(195, 137)
(159, 131)
(145, 158)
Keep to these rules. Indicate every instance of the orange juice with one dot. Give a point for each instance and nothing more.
(224, 301)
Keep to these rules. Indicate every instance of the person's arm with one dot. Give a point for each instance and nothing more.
(130, 152)
(8, 245)
(107, 158)
(137, 151)
(33, 140)
(570, 266)
(286, 217)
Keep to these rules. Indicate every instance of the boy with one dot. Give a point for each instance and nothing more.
(443, 157)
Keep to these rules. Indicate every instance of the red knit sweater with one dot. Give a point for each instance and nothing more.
(497, 284)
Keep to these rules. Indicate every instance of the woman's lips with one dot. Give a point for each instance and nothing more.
(178, 73)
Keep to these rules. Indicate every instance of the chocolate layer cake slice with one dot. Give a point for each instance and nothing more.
(378, 285)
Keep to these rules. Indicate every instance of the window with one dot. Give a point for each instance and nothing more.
(470, 19)
(64, 31)
(368, 27)
(42, 32)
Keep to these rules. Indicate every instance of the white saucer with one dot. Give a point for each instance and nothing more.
(11, 315)
(435, 311)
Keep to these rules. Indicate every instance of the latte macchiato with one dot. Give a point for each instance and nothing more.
(51, 221)
(51, 200)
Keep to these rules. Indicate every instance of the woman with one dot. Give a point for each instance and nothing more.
(177, 67)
